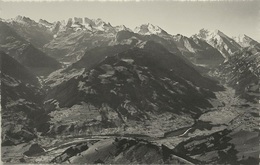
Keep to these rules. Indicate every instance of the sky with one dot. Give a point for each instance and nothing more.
(186, 18)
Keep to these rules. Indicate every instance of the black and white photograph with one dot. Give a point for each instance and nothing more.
(130, 82)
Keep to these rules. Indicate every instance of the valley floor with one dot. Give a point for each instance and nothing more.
(230, 112)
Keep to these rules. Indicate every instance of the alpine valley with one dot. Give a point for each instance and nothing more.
(84, 91)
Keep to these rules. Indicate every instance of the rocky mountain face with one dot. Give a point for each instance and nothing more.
(242, 72)
(21, 102)
(148, 29)
(198, 51)
(193, 50)
(69, 46)
(25, 53)
(196, 54)
(73, 37)
(224, 44)
(133, 39)
(33, 32)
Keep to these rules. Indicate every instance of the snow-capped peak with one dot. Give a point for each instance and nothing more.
(45, 23)
(219, 33)
(90, 24)
(242, 37)
(219, 40)
(99, 22)
(148, 29)
(208, 34)
(22, 19)
(244, 40)
(122, 28)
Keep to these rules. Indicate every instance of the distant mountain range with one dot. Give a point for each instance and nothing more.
(81, 34)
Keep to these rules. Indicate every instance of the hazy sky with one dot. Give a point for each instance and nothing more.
(186, 18)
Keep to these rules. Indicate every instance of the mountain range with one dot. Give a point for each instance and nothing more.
(86, 84)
